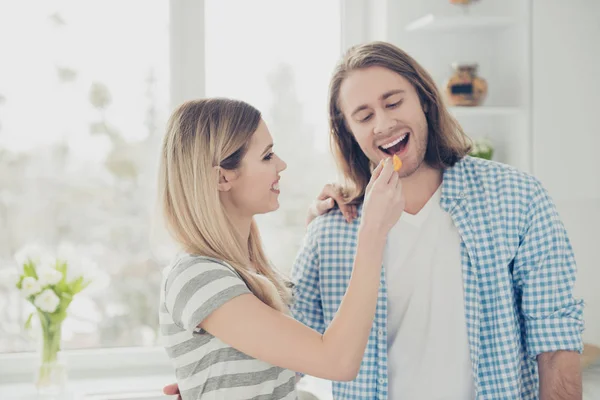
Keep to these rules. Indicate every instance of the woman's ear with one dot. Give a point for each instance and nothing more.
(225, 177)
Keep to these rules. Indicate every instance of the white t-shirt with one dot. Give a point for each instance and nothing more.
(428, 351)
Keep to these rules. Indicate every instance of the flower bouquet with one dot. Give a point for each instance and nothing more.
(49, 283)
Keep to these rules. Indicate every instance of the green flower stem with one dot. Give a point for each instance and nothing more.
(51, 338)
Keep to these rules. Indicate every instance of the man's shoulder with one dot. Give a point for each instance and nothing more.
(331, 225)
(493, 177)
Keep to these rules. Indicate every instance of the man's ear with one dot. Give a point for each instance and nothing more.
(225, 177)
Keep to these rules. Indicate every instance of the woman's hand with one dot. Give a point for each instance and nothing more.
(384, 199)
(331, 195)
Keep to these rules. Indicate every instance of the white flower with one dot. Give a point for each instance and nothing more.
(47, 260)
(30, 252)
(48, 276)
(47, 301)
(30, 286)
(85, 268)
(73, 271)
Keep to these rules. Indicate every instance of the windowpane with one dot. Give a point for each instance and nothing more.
(83, 103)
(278, 56)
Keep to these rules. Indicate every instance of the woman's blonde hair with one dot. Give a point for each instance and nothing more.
(446, 144)
(203, 136)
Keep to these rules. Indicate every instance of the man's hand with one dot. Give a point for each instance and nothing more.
(172, 390)
(329, 196)
(560, 375)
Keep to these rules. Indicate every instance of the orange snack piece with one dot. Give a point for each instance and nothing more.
(397, 162)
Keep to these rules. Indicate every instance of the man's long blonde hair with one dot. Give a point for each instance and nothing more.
(203, 136)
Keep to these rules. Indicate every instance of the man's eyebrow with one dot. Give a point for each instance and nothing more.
(382, 97)
(391, 93)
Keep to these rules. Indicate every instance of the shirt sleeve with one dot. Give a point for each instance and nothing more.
(545, 271)
(195, 289)
(307, 307)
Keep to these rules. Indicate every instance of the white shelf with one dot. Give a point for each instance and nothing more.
(483, 111)
(433, 23)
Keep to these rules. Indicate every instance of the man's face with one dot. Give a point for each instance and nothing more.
(383, 111)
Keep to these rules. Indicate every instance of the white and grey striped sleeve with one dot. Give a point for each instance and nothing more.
(195, 288)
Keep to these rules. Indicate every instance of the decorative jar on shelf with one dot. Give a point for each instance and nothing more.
(465, 88)
(463, 2)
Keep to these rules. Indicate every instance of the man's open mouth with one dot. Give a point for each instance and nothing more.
(397, 145)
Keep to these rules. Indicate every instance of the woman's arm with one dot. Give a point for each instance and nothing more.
(262, 332)
(253, 328)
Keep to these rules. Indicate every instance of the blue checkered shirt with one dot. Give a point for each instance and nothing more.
(518, 275)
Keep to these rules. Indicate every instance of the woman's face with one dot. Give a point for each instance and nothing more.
(254, 186)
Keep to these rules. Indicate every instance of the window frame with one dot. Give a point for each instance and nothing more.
(187, 81)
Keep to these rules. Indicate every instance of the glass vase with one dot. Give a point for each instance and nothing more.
(51, 372)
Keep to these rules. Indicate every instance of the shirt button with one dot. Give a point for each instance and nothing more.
(380, 332)
(381, 381)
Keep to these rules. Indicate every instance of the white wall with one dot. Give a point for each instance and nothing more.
(566, 135)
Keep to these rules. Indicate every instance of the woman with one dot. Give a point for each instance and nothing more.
(224, 309)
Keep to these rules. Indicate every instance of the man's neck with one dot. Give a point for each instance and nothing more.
(420, 186)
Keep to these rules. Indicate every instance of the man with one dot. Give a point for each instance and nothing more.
(476, 293)
(476, 290)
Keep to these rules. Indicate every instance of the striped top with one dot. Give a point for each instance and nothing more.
(206, 368)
